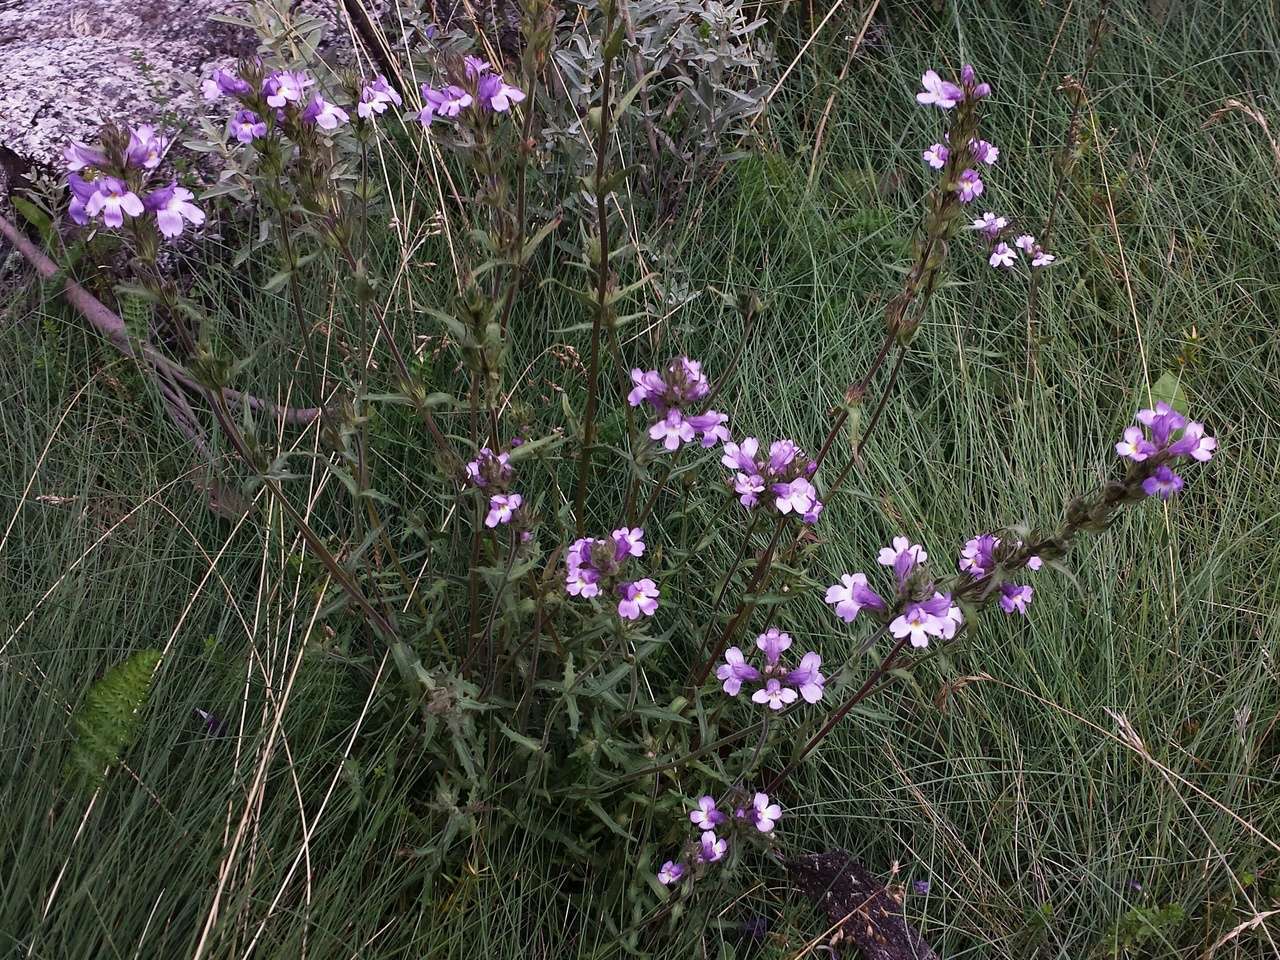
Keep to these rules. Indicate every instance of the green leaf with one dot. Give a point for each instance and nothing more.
(35, 216)
(1169, 389)
(106, 723)
(528, 743)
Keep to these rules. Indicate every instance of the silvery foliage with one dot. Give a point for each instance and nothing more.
(706, 69)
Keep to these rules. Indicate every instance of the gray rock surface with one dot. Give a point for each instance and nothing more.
(67, 65)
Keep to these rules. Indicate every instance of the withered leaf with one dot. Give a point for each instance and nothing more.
(859, 906)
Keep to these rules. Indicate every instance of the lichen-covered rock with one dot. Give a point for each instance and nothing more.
(68, 65)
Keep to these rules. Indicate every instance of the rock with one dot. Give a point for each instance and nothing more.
(68, 65)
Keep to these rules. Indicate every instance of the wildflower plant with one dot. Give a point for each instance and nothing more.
(545, 605)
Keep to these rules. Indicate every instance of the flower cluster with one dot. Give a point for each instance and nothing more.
(671, 392)
(479, 86)
(594, 567)
(271, 102)
(493, 473)
(972, 152)
(759, 813)
(785, 475)
(923, 610)
(118, 180)
(779, 686)
(980, 558)
(1004, 256)
(1151, 440)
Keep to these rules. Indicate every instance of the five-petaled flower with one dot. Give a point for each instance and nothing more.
(671, 872)
(774, 694)
(851, 595)
(936, 156)
(969, 186)
(114, 200)
(989, 225)
(447, 102)
(711, 848)
(502, 507)
(375, 97)
(705, 816)
(1015, 597)
(938, 92)
(1002, 256)
(764, 814)
(172, 205)
(639, 599)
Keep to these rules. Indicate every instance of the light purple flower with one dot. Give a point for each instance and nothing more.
(978, 556)
(985, 152)
(494, 93)
(734, 671)
(969, 186)
(1161, 421)
(938, 92)
(375, 97)
(325, 115)
(1042, 258)
(888, 556)
(765, 814)
(80, 155)
(1002, 256)
(448, 102)
(1193, 443)
(917, 623)
(950, 620)
(798, 495)
(246, 127)
(811, 515)
(705, 816)
(851, 595)
(475, 67)
(114, 200)
(807, 678)
(285, 87)
(146, 147)
(1025, 242)
(936, 156)
(649, 385)
(748, 487)
(673, 430)
(1164, 483)
(1034, 562)
(739, 456)
(782, 453)
(639, 599)
(989, 225)
(711, 426)
(172, 205)
(629, 541)
(81, 191)
(774, 643)
(670, 873)
(502, 507)
(490, 468)
(1134, 445)
(774, 694)
(711, 849)
(223, 83)
(1015, 597)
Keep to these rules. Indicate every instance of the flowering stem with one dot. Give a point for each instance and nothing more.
(871, 424)
(602, 279)
(295, 295)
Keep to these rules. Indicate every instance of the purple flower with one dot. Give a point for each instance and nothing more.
(246, 127)
(978, 556)
(851, 595)
(1002, 256)
(475, 67)
(985, 153)
(774, 643)
(989, 225)
(782, 453)
(920, 887)
(81, 191)
(1015, 597)
(146, 147)
(798, 495)
(917, 623)
(494, 93)
(734, 670)
(323, 114)
(670, 873)
(1161, 421)
(673, 430)
(765, 814)
(172, 205)
(1026, 243)
(938, 92)
(1164, 483)
(969, 186)
(639, 598)
(748, 487)
(936, 156)
(649, 385)
(1042, 258)
(490, 468)
(892, 556)
(502, 507)
(114, 200)
(739, 456)
(711, 849)
(629, 541)
(1134, 445)
(774, 694)
(811, 515)
(449, 102)
(223, 83)
(1193, 443)
(808, 678)
(285, 87)
(1034, 562)
(705, 816)
(80, 155)
(711, 427)
(375, 97)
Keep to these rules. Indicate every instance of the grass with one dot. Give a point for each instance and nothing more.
(1052, 779)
